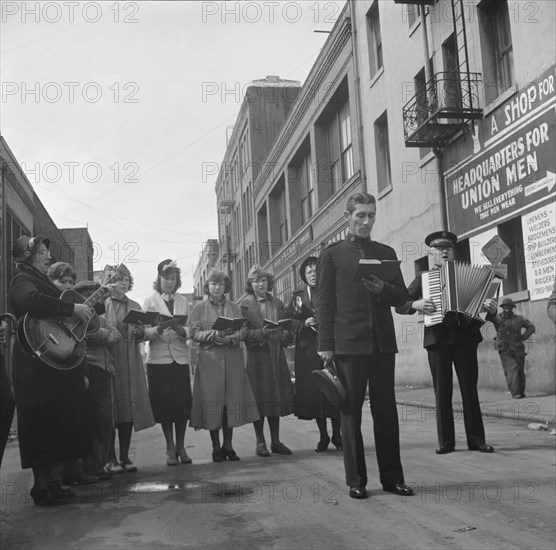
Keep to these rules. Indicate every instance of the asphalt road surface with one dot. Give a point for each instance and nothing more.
(463, 500)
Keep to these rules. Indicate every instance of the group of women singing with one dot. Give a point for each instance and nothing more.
(233, 384)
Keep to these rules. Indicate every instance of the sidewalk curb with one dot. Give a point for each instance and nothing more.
(491, 410)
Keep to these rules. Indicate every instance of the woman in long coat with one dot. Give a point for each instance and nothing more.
(267, 367)
(168, 361)
(222, 395)
(51, 415)
(132, 408)
(310, 402)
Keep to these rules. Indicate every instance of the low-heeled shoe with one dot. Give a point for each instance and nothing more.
(322, 445)
(399, 489)
(444, 450)
(261, 450)
(358, 492)
(280, 449)
(482, 448)
(230, 455)
(217, 455)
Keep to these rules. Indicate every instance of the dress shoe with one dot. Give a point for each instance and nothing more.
(217, 455)
(46, 497)
(482, 448)
(399, 489)
(171, 458)
(230, 455)
(337, 442)
(81, 479)
(322, 445)
(280, 448)
(518, 396)
(184, 458)
(64, 491)
(444, 450)
(128, 466)
(358, 492)
(261, 450)
(115, 468)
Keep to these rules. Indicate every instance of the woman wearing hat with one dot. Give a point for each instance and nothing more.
(168, 361)
(43, 392)
(132, 409)
(266, 361)
(222, 395)
(310, 402)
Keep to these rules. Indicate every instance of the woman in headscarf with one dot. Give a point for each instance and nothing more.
(310, 402)
(168, 361)
(222, 395)
(267, 367)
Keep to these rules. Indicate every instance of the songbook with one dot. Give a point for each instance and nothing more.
(223, 323)
(282, 324)
(136, 316)
(181, 318)
(383, 269)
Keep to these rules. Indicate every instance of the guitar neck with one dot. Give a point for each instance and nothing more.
(98, 295)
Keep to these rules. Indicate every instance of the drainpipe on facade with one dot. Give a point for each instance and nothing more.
(357, 80)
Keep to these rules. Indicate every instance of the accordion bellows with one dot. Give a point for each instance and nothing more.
(458, 288)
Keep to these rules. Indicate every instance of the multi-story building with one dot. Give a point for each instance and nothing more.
(263, 112)
(458, 109)
(22, 213)
(207, 261)
(314, 165)
(80, 242)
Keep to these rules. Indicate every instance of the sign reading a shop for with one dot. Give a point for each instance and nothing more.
(509, 164)
(539, 243)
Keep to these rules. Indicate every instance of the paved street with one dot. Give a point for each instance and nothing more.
(463, 500)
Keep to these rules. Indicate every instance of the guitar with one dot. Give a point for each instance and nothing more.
(59, 342)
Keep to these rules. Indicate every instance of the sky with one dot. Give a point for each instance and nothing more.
(118, 111)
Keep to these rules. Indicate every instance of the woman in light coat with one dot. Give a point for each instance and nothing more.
(168, 361)
(222, 395)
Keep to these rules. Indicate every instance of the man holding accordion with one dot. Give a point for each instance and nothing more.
(451, 341)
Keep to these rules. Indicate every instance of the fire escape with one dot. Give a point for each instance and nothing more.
(448, 101)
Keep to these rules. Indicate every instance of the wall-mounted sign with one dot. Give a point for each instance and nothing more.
(539, 243)
(509, 164)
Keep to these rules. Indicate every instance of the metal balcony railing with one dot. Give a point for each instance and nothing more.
(441, 108)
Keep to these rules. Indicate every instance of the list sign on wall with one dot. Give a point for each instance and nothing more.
(539, 240)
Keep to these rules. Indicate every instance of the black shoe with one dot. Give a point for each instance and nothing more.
(280, 448)
(482, 448)
(337, 442)
(217, 455)
(358, 492)
(444, 450)
(46, 497)
(322, 445)
(399, 489)
(229, 455)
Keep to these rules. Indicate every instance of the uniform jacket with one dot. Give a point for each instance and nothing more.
(169, 346)
(445, 333)
(351, 319)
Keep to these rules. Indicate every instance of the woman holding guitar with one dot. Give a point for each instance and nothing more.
(51, 424)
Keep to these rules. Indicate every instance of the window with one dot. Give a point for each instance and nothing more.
(306, 188)
(382, 150)
(374, 39)
(282, 217)
(244, 156)
(413, 14)
(14, 230)
(340, 151)
(511, 233)
(496, 47)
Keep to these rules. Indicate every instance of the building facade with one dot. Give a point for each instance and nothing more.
(458, 116)
(207, 261)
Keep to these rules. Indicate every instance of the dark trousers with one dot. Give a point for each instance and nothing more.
(7, 407)
(377, 372)
(464, 359)
(513, 363)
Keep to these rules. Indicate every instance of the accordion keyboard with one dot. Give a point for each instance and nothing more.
(432, 290)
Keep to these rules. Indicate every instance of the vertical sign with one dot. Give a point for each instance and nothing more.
(539, 241)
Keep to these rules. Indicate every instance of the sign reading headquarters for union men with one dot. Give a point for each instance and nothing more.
(509, 166)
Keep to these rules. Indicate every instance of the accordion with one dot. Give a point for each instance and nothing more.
(458, 290)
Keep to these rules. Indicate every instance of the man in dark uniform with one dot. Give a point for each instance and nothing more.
(356, 327)
(447, 343)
